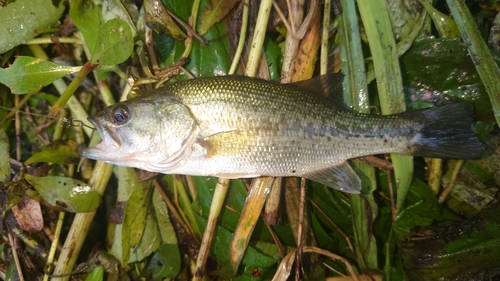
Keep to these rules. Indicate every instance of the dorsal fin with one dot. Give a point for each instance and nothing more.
(329, 86)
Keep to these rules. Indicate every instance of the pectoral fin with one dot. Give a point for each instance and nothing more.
(341, 177)
(228, 143)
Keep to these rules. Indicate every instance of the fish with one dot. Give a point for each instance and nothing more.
(240, 127)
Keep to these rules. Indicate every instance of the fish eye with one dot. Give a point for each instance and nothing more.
(120, 114)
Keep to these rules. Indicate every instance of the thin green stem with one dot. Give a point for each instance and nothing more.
(258, 37)
(54, 40)
(215, 208)
(376, 21)
(243, 35)
(72, 87)
(324, 38)
(193, 17)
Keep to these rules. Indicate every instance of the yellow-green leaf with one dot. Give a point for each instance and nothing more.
(29, 74)
(67, 193)
(59, 152)
(220, 9)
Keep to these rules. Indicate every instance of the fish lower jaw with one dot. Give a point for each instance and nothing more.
(100, 151)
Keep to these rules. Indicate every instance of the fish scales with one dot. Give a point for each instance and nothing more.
(306, 127)
(234, 126)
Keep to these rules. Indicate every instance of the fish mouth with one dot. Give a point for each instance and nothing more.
(109, 144)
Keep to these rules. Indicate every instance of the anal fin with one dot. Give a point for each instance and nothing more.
(341, 177)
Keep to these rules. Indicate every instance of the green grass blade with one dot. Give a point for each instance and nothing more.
(375, 17)
(481, 56)
(356, 95)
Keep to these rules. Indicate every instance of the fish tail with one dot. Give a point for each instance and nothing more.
(445, 132)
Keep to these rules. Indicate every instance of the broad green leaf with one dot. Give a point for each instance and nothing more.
(87, 16)
(236, 197)
(441, 69)
(470, 195)
(97, 274)
(113, 269)
(220, 248)
(134, 218)
(326, 237)
(23, 19)
(468, 250)
(167, 231)
(59, 152)
(444, 24)
(158, 19)
(334, 204)
(14, 194)
(114, 43)
(128, 180)
(204, 61)
(177, 187)
(4, 156)
(11, 272)
(67, 193)
(150, 239)
(166, 262)
(29, 74)
(274, 58)
(423, 210)
(219, 10)
(125, 10)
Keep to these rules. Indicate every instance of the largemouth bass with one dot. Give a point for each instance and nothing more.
(240, 127)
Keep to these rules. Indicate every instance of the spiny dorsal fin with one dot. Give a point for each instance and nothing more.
(341, 177)
(329, 86)
(326, 85)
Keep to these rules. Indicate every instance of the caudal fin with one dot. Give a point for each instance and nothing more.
(446, 133)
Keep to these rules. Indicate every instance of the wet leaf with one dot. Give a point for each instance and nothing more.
(97, 274)
(423, 212)
(236, 197)
(14, 194)
(166, 262)
(125, 10)
(470, 195)
(404, 17)
(220, 248)
(114, 43)
(439, 252)
(59, 152)
(4, 156)
(87, 17)
(113, 269)
(274, 58)
(204, 61)
(67, 193)
(29, 74)
(218, 11)
(335, 204)
(445, 25)
(441, 69)
(150, 239)
(134, 218)
(21, 20)
(167, 231)
(158, 19)
(494, 40)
